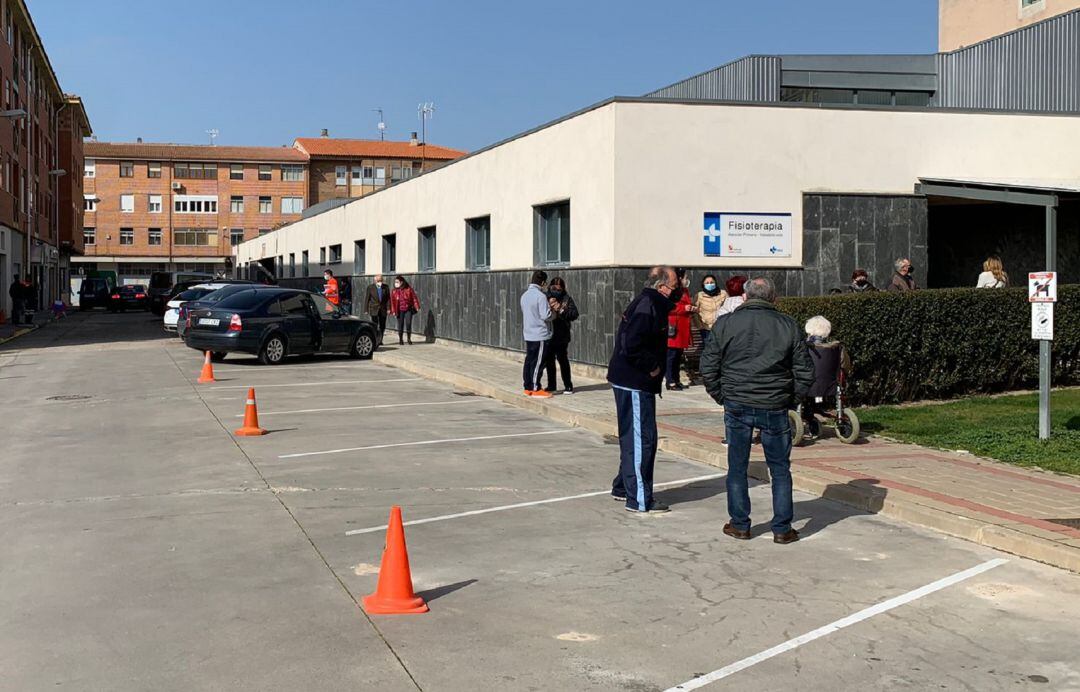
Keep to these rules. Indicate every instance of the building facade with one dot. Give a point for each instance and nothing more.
(73, 126)
(168, 207)
(966, 22)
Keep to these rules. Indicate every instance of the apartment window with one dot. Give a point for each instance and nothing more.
(335, 254)
(478, 243)
(265, 205)
(196, 171)
(154, 204)
(551, 228)
(264, 171)
(1029, 3)
(153, 236)
(195, 204)
(236, 171)
(195, 237)
(127, 169)
(359, 257)
(89, 235)
(322, 255)
(127, 203)
(153, 169)
(340, 173)
(357, 175)
(292, 205)
(380, 175)
(395, 172)
(292, 264)
(89, 168)
(264, 231)
(426, 255)
(127, 236)
(236, 236)
(292, 173)
(89, 202)
(389, 253)
(236, 204)
(304, 263)
(369, 175)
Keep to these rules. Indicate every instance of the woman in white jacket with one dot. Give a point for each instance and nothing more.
(993, 274)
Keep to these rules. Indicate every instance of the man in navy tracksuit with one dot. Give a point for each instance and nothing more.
(635, 372)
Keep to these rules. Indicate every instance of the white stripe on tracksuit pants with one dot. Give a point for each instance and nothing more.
(537, 354)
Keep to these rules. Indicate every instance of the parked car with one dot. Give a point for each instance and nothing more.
(197, 291)
(206, 301)
(163, 286)
(94, 293)
(130, 297)
(273, 323)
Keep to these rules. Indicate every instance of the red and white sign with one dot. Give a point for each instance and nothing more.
(1042, 287)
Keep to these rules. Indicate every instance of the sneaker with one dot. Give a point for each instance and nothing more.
(621, 497)
(529, 392)
(541, 394)
(654, 508)
(568, 390)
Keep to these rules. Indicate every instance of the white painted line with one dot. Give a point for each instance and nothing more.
(319, 384)
(427, 442)
(519, 505)
(370, 406)
(852, 619)
(274, 368)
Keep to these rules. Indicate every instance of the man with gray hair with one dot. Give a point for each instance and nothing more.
(757, 367)
(904, 278)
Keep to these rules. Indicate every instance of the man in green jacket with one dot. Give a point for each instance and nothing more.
(757, 367)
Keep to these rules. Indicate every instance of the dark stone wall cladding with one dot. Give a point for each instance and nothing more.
(842, 232)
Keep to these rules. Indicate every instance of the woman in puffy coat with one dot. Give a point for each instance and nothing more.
(708, 302)
(404, 303)
(679, 337)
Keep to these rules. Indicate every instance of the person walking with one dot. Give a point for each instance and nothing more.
(330, 288)
(735, 298)
(15, 292)
(536, 319)
(635, 371)
(404, 303)
(904, 278)
(756, 366)
(707, 303)
(993, 274)
(860, 283)
(377, 304)
(679, 338)
(565, 313)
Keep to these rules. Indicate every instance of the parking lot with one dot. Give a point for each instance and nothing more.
(146, 547)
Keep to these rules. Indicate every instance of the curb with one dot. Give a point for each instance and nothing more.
(20, 332)
(894, 504)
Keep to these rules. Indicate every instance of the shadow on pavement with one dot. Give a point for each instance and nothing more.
(857, 497)
(440, 591)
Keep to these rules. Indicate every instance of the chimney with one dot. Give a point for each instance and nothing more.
(138, 140)
(325, 133)
(412, 140)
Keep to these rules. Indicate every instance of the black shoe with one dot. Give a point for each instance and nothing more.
(568, 390)
(621, 497)
(654, 508)
(677, 387)
(784, 538)
(737, 533)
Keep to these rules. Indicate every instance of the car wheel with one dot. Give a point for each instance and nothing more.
(218, 356)
(363, 346)
(273, 350)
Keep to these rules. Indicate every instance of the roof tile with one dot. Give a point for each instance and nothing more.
(373, 148)
(190, 152)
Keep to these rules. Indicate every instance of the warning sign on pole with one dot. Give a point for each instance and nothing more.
(1042, 321)
(1042, 287)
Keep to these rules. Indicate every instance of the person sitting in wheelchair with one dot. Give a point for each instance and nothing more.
(830, 360)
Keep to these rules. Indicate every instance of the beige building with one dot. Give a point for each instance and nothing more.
(964, 22)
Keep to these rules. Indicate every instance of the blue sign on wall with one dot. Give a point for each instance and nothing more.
(713, 247)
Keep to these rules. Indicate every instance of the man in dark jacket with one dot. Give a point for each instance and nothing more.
(634, 372)
(757, 367)
(377, 303)
(15, 292)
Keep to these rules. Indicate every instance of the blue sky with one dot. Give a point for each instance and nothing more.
(264, 72)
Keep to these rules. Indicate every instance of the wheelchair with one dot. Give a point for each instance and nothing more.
(805, 423)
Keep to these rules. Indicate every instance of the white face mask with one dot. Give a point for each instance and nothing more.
(325, 278)
(397, 284)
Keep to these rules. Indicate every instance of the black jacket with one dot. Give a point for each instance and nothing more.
(757, 357)
(372, 304)
(561, 324)
(641, 343)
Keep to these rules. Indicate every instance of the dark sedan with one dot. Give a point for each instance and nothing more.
(273, 323)
(128, 298)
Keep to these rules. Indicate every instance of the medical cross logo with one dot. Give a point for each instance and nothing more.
(713, 246)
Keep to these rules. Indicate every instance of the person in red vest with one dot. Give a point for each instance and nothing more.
(404, 303)
(679, 337)
(330, 288)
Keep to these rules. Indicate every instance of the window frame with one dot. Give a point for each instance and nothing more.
(305, 266)
(472, 231)
(269, 202)
(541, 242)
(233, 234)
(127, 233)
(127, 169)
(129, 197)
(89, 235)
(296, 205)
(341, 176)
(236, 204)
(389, 259)
(334, 255)
(235, 168)
(151, 200)
(427, 249)
(153, 169)
(151, 234)
(267, 170)
(359, 257)
(90, 201)
(288, 170)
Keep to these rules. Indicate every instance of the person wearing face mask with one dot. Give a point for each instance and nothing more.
(708, 302)
(904, 278)
(680, 322)
(860, 282)
(565, 312)
(404, 303)
(377, 303)
(330, 288)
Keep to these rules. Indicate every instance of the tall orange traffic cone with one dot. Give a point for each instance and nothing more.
(207, 374)
(251, 418)
(394, 593)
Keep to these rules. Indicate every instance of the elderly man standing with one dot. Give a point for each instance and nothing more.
(757, 366)
(635, 371)
(377, 303)
(904, 278)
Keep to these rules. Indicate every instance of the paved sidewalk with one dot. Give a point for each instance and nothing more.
(1029, 513)
(9, 330)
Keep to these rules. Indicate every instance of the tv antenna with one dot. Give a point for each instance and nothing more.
(382, 124)
(424, 111)
(213, 132)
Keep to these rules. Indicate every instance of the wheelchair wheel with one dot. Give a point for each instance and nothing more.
(795, 421)
(847, 427)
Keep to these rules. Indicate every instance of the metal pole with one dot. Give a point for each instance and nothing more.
(1044, 345)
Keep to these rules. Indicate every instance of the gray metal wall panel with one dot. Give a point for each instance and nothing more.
(1036, 68)
(753, 78)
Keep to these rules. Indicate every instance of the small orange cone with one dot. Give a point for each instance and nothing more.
(207, 374)
(251, 418)
(394, 593)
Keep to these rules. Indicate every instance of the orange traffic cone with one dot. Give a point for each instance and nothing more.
(251, 418)
(207, 374)
(394, 593)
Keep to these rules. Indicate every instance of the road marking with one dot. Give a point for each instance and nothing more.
(427, 442)
(319, 384)
(361, 408)
(519, 505)
(852, 619)
(275, 368)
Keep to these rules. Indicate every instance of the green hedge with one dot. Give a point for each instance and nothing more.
(939, 344)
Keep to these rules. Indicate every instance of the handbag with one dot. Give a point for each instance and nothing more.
(672, 330)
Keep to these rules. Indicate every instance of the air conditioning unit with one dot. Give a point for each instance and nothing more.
(177, 186)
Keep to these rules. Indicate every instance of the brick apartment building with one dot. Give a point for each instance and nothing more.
(172, 207)
(36, 154)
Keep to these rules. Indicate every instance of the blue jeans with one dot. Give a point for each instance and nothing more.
(740, 422)
(637, 447)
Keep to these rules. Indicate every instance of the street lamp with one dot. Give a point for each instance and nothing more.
(17, 113)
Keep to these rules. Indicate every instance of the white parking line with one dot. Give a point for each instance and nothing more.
(369, 406)
(427, 442)
(503, 508)
(852, 619)
(274, 368)
(319, 384)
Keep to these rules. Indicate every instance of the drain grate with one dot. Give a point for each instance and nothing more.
(68, 397)
(1071, 523)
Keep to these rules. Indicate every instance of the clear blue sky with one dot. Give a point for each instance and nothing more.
(264, 72)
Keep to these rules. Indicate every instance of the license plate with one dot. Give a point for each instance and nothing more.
(209, 321)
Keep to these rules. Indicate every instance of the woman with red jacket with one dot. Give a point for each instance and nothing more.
(404, 303)
(679, 338)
